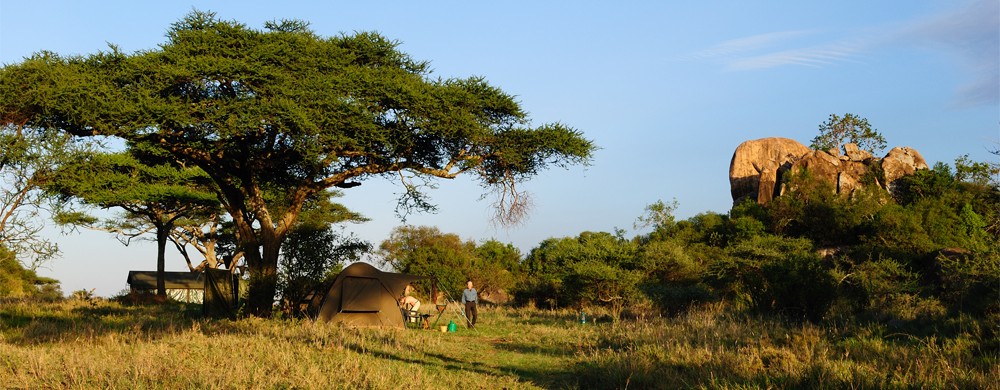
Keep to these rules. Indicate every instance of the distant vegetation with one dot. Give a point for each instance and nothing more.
(813, 289)
(922, 255)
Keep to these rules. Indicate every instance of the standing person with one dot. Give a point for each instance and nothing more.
(470, 298)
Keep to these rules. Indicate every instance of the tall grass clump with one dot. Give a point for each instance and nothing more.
(710, 347)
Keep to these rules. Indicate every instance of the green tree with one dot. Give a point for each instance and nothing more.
(285, 111)
(811, 208)
(659, 216)
(775, 274)
(850, 128)
(495, 269)
(315, 251)
(424, 250)
(19, 282)
(941, 208)
(27, 158)
(674, 273)
(975, 172)
(595, 282)
(153, 197)
(593, 268)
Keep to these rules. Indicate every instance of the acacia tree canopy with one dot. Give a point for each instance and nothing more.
(155, 197)
(849, 128)
(283, 110)
(27, 159)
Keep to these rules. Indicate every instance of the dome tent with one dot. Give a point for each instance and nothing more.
(362, 295)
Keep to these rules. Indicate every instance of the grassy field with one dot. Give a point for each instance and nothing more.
(100, 344)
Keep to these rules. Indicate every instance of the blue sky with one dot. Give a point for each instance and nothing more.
(666, 89)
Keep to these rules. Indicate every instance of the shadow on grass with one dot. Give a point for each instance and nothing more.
(537, 376)
(533, 349)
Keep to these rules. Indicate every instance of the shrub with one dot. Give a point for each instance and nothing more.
(799, 286)
(970, 282)
(674, 277)
(874, 284)
(592, 282)
(540, 292)
(775, 274)
(576, 271)
(744, 228)
(19, 282)
(312, 255)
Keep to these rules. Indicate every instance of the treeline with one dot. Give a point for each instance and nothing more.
(927, 250)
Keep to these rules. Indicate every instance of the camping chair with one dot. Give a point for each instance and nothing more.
(415, 318)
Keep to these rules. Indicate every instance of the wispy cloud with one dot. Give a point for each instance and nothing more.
(809, 56)
(796, 47)
(744, 45)
(972, 35)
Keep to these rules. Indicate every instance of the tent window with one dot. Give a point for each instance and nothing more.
(361, 295)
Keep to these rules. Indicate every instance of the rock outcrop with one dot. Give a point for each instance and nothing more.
(901, 161)
(754, 168)
(758, 166)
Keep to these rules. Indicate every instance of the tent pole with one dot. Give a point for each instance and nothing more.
(448, 303)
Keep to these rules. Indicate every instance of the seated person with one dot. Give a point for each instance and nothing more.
(409, 303)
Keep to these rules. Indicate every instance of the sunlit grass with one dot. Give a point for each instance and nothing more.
(80, 344)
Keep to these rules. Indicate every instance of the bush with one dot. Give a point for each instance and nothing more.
(674, 298)
(576, 271)
(674, 277)
(874, 284)
(970, 283)
(592, 282)
(311, 256)
(799, 286)
(777, 275)
(539, 292)
(19, 282)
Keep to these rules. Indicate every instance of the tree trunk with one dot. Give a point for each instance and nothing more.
(262, 245)
(161, 253)
(263, 262)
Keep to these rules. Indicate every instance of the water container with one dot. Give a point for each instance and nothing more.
(583, 318)
(452, 327)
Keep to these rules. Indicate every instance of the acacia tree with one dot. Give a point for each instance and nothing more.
(285, 111)
(850, 128)
(201, 233)
(27, 158)
(315, 251)
(153, 197)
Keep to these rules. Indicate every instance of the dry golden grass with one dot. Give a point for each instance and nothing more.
(106, 345)
(79, 344)
(709, 348)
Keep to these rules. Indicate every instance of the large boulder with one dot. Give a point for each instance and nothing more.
(758, 166)
(853, 153)
(753, 171)
(899, 162)
(845, 173)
